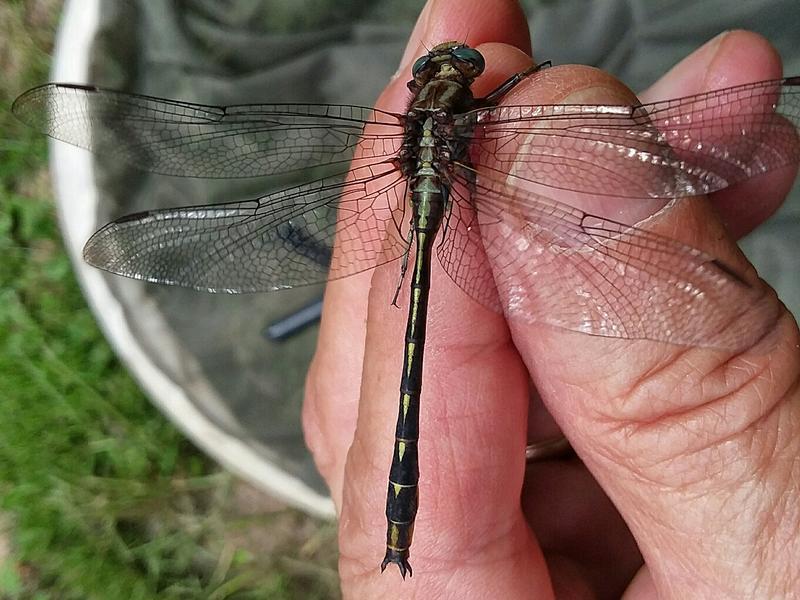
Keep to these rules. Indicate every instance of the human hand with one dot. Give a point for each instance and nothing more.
(696, 450)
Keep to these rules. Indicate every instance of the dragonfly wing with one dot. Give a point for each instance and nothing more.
(172, 137)
(461, 252)
(280, 240)
(553, 264)
(684, 147)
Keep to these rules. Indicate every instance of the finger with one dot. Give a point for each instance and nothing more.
(732, 58)
(474, 22)
(334, 377)
(564, 505)
(687, 442)
(464, 464)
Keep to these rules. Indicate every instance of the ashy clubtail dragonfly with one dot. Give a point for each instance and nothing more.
(452, 166)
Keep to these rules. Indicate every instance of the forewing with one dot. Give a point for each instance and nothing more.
(194, 140)
(683, 147)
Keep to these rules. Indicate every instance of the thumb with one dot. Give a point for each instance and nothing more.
(693, 444)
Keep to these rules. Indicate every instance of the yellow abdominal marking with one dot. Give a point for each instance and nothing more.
(421, 236)
(401, 450)
(414, 305)
(406, 403)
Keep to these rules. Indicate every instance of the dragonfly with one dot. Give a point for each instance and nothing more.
(467, 179)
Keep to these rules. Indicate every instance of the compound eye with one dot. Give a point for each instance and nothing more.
(471, 56)
(420, 64)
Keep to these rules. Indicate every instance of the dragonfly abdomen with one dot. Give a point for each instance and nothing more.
(429, 196)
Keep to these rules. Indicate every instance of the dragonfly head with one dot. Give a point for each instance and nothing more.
(450, 60)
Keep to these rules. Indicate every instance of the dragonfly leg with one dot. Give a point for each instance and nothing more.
(494, 96)
(403, 266)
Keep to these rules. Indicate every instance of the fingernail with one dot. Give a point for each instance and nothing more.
(711, 51)
(713, 44)
(597, 94)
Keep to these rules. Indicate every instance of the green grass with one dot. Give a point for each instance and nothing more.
(101, 497)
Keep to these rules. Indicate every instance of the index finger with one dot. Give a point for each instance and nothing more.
(470, 361)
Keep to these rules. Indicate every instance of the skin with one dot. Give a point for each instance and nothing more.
(687, 479)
